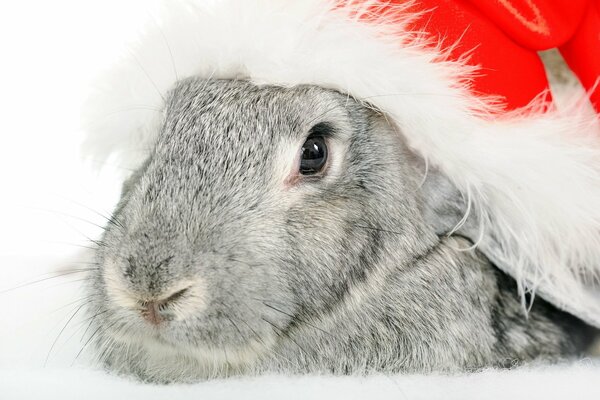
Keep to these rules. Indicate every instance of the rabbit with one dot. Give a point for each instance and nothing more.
(293, 230)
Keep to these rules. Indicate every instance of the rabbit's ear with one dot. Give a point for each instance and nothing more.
(447, 211)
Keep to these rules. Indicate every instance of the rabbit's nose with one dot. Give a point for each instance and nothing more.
(154, 311)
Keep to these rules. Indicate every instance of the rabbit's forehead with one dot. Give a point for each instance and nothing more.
(228, 114)
(221, 136)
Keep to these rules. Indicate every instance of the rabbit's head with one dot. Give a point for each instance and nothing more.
(260, 210)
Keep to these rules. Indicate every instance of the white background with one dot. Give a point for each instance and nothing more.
(49, 53)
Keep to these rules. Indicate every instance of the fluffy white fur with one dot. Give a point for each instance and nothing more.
(533, 176)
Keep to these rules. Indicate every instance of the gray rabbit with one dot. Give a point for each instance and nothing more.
(293, 230)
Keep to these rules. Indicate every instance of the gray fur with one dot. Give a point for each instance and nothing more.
(346, 273)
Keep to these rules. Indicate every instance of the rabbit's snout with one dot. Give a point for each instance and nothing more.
(155, 311)
(155, 297)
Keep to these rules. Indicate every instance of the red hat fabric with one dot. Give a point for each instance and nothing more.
(502, 38)
(582, 51)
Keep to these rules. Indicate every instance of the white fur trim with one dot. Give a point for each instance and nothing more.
(534, 177)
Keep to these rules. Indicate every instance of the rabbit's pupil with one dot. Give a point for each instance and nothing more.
(314, 155)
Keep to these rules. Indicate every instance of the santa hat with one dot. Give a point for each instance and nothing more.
(530, 172)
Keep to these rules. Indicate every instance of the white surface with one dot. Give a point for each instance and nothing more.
(49, 52)
(575, 383)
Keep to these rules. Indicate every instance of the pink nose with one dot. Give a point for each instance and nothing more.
(153, 311)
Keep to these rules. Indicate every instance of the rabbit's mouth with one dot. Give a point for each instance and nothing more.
(170, 348)
(185, 325)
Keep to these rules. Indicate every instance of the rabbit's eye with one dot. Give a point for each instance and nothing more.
(313, 155)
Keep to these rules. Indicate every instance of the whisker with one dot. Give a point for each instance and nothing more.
(39, 281)
(61, 331)
(147, 75)
(109, 343)
(295, 317)
(91, 319)
(279, 332)
(162, 33)
(96, 242)
(105, 328)
(56, 212)
(70, 282)
(111, 220)
(70, 244)
(234, 325)
(71, 303)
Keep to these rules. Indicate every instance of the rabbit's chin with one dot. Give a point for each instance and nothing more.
(158, 358)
